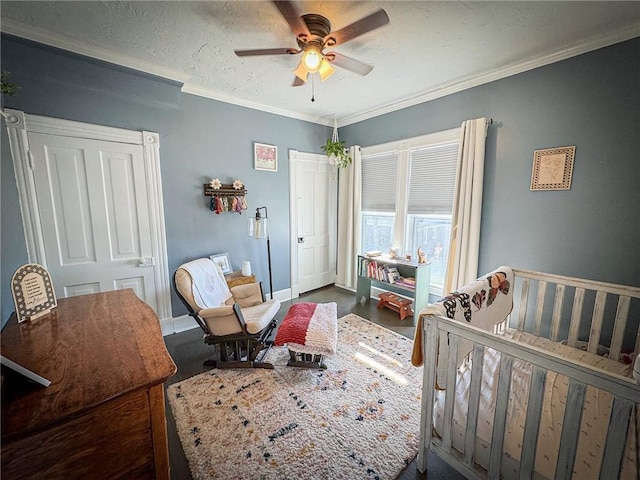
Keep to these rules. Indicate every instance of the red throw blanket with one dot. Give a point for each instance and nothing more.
(310, 328)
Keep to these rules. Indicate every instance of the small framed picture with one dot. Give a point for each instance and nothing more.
(265, 157)
(223, 260)
(33, 292)
(552, 168)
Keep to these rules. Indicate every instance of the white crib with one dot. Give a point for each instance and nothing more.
(503, 411)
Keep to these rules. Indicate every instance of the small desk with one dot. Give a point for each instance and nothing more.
(236, 278)
(103, 415)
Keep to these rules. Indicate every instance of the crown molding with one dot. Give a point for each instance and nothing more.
(203, 92)
(39, 35)
(60, 41)
(444, 90)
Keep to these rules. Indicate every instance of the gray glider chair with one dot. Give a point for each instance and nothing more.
(236, 321)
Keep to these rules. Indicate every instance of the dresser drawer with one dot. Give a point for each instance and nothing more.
(113, 440)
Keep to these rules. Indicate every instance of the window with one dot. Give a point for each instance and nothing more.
(377, 231)
(407, 198)
(378, 201)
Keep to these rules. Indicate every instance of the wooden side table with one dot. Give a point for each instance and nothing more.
(236, 278)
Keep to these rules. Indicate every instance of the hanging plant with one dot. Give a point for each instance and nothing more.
(336, 151)
(7, 87)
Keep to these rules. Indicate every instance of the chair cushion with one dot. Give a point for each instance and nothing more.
(259, 316)
(247, 295)
(222, 321)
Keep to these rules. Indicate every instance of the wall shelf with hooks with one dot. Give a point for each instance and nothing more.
(226, 197)
(226, 190)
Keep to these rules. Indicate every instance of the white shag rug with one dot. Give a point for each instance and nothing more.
(357, 419)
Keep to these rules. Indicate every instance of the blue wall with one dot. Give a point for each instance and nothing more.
(591, 101)
(199, 139)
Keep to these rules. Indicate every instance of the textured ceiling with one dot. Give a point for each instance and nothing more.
(429, 49)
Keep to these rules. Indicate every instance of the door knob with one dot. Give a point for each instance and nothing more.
(300, 239)
(146, 262)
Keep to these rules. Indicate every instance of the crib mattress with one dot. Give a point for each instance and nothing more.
(594, 424)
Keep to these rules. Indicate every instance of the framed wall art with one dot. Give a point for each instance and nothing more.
(224, 261)
(552, 168)
(265, 157)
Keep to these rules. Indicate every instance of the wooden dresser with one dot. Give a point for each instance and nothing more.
(103, 415)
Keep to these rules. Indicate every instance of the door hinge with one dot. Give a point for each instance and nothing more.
(31, 162)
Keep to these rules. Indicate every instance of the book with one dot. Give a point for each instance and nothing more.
(26, 373)
(409, 283)
(392, 274)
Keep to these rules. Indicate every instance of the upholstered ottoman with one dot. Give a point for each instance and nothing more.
(310, 331)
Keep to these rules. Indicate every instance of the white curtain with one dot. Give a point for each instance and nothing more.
(349, 206)
(462, 265)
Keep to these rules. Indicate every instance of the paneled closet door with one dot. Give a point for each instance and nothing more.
(93, 203)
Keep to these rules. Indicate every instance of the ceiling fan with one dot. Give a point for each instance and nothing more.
(313, 34)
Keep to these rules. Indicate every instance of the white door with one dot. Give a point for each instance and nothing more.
(314, 221)
(94, 215)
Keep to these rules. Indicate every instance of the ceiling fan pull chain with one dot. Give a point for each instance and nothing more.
(313, 89)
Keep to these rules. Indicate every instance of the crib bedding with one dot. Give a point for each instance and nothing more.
(594, 423)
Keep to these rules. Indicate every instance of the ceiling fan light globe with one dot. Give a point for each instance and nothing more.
(312, 60)
(326, 70)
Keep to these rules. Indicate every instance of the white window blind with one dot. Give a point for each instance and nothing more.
(379, 182)
(432, 179)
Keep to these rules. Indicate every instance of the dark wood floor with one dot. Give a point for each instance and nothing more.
(188, 352)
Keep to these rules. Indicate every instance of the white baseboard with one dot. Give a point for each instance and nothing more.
(177, 325)
(350, 289)
(283, 295)
(166, 324)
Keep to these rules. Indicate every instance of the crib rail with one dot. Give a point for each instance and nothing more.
(625, 393)
(580, 317)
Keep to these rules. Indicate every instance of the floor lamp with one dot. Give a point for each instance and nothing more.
(259, 228)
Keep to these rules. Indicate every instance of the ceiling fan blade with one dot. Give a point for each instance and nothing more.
(375, 20)
(291, 15)
(297, 82)
(267, 51)
(348, 63)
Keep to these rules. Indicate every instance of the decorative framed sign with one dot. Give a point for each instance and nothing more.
(32, 291)
(552, 168)
(265, 157)
(224, 261)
